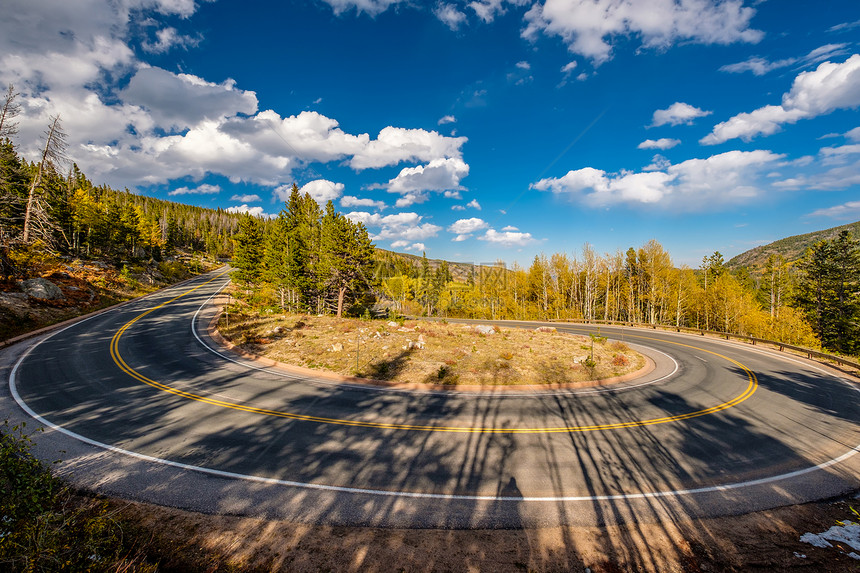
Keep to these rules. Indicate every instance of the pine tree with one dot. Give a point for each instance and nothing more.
(248, 251)
(830, 292)
(346, 257)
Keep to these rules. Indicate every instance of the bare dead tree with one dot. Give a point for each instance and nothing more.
(9, 110)
(53, 154)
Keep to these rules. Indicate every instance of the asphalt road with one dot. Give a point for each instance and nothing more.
(139, 402)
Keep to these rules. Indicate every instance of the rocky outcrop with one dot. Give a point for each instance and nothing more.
(42, 289)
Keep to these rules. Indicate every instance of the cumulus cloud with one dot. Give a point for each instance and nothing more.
(696, 184)
(255, 211)
(411, 198)
(397, 226)
(322, 190)
(181, 101)
(205, 189)
(449, 15)
(394, 145)
(348, 201)
(246, 198)
(676, 114)
(821, 91)
(447, 119)
(662, 143)
(507, 238)
(464, 226)
(474, 204)
(588, 26)
(438, 175)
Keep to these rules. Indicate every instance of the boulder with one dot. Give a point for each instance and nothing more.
(14, 304)
(485, 329)
(42, 289)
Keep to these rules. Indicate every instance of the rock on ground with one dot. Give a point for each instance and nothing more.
(42, 289)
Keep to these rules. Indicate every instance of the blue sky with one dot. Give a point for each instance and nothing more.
(472, 130)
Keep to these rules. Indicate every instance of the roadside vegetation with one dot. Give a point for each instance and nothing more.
(430, 352)
(45, 527)
(68, 246)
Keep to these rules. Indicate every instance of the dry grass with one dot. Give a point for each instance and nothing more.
(430, 352)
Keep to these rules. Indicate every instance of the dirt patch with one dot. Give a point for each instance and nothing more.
(765, 541)
(438, 353)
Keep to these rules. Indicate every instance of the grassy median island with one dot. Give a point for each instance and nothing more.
(431, 352)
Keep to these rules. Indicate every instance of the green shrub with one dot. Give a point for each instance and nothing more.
(44, 528)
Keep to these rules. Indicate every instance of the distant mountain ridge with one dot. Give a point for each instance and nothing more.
(792, 248)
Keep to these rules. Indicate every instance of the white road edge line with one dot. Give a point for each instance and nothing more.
(450, 497)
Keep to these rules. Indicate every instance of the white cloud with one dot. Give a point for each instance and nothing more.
(130, 123)
(452, 195)
(760, 66)
(466, 226)
(205, 189)
(168, 38)
(487, 10)
(757, 65)
(510, 228)
(348, 201)
(411, 198)
(397, 226)
(474, 204)
(676, 114)
(662, 143)
(844, 26)
(322, 190)
(449, 15)
(438, 175)
(523, 65)
(371, 7)
(834, 168)
(246, 198)
(568, 68)
(658, 163)
(588, 26)
(850, 210)
(394, 145)
(399, 244)
(181, 101)
(854, 134)
(417, 247)
(457, 208)
(821, 91)
(696, 184)
(507, 238)
(447, 119)
(255, 211)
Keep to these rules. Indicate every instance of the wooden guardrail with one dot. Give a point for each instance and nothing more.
(810, 353)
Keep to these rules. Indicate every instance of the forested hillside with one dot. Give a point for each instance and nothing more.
(791, 249)
(49, 205)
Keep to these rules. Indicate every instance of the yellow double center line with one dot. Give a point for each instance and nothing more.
(117, 358)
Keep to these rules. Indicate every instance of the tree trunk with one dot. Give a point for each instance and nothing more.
(340, 292)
